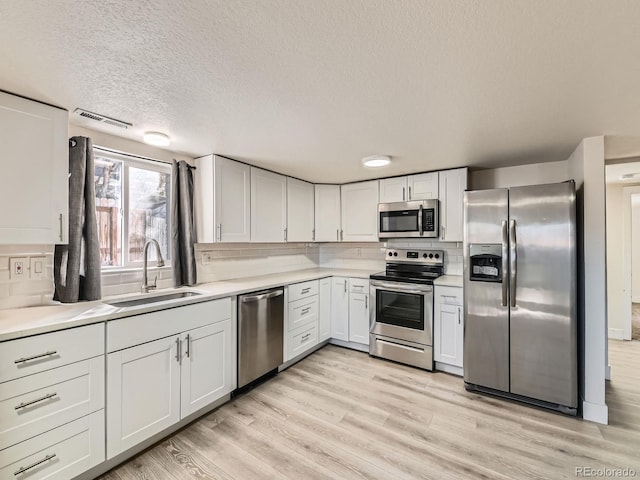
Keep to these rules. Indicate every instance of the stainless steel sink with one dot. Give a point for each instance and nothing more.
(134, 302)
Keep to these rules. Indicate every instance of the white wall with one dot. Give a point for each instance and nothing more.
(533, 174)
(635, 248)
(615, 259)
(586, 167)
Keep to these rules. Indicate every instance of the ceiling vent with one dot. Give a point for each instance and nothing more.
(102, 118)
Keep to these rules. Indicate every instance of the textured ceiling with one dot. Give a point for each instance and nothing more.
(308, 88)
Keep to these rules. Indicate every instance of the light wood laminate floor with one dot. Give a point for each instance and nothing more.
(342, 414)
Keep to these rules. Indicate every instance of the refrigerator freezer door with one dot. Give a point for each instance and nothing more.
(486, 332)
(543, 311)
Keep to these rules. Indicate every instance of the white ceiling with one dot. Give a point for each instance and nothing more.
(308, 88)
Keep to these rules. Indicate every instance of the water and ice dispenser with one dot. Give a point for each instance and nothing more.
(485, 262)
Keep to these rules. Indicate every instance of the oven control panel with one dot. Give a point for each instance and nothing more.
(429, 257)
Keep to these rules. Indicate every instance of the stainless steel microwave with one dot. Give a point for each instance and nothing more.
(416, 219)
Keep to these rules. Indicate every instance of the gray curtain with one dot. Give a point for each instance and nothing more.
(76, 266)
(183, 258)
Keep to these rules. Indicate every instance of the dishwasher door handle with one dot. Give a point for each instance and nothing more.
(264, 296)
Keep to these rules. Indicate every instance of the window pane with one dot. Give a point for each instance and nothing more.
(148, 219)
(108, 183)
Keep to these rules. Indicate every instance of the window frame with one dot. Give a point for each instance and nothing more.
(135, 161)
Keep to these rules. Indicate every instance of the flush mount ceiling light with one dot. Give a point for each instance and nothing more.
(376, 161)
(157, 139)
(629, 176)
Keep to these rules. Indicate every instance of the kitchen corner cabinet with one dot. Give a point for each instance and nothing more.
(300, 211)
(448, 327)
(34, 185)
(327, 213)
(453, 183)
(340, 308)
(359, 209)
(268, 206)
(324, 318)
(222, 205)
(152, 383)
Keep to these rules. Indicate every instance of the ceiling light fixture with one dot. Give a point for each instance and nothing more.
(630, 176)
(157, 139)
(376, 161)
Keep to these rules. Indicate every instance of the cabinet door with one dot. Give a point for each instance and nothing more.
(340, 308)
(143, 392)
(423, 186)
(324, 322)
(393, 190)
(448, 333)
(359, 203)
(359, 318)
(34, 147)
(453, 183)
(232, 200)
(206, 366)
(268, 206)
(300, 211)
(327, 213)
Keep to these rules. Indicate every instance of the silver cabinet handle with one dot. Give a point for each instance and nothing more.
(366, 302)
(35, 357)
(34, 464)
(305, 290)
(188, 345)
(178, 348)
(219, 232)
(341, 235)
(285, 234)
(345, 286)
(37, 400)
(60, 222)
(505, 259)
(403, 192)
(313, 235)
(442, 227)
(409, 193)
(513, 262)
(305, 336)
(304, 311)
(459, 315)
(358, 286)
(264, 296)
(337, 235)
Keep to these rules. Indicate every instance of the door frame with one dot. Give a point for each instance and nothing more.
(627, 192)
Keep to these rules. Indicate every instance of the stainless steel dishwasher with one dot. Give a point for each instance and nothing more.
(260, 334)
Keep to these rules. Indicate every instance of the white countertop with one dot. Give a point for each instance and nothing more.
(22, 322)
(448, 281)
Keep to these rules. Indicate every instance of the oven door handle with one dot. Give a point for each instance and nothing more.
(399, 288)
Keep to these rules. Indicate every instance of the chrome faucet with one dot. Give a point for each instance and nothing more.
(145, 284)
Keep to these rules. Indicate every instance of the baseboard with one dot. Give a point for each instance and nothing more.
(452, 369)
(616, 333)
(595, 412)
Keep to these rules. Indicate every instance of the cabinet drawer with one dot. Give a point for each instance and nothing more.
(301, 340)
(40, 402)
(302, 290)
(59, 454)
(302, 311)
(358, 285)
(30, 355)
(131, 331)
(448, 295)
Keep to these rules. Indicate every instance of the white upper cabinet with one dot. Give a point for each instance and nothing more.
(268, 206)
(394, 189)
(223, 192)
(300, 199)
(327, 213)
(359, 212)
(423, 186)
(453, 183)
(34, 185)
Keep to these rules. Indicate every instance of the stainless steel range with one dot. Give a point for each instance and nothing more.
(402, 307)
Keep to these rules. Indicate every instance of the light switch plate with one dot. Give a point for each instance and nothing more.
(19, 268)
(38, 267)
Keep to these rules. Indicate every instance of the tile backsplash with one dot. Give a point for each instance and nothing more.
(25, 291)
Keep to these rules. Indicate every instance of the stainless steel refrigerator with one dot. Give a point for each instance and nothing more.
(520, 336)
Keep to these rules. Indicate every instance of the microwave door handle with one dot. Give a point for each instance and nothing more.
(505, 260)
(420, 220)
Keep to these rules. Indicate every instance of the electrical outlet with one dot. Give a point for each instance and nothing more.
(359, 252)
(207, 258)
(38, 267)
(19, 268)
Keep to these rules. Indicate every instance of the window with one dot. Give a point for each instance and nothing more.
(132, 198)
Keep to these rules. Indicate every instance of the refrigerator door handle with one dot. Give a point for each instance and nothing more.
(513, 262)
(505, 260)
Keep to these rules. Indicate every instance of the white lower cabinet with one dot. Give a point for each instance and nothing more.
(154, 385)
(448, 328)
(302, 318)
(350, 310)
(324, 317)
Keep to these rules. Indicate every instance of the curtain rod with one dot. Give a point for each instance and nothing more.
(140, 157)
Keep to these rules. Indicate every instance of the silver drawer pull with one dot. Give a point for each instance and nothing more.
(305, 311)
(37, 400)
(358, 286)
(305, 337)
(27, 359)
(305, 290)
(35, 464)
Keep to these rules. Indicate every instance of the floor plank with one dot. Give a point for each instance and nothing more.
(342, 414)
